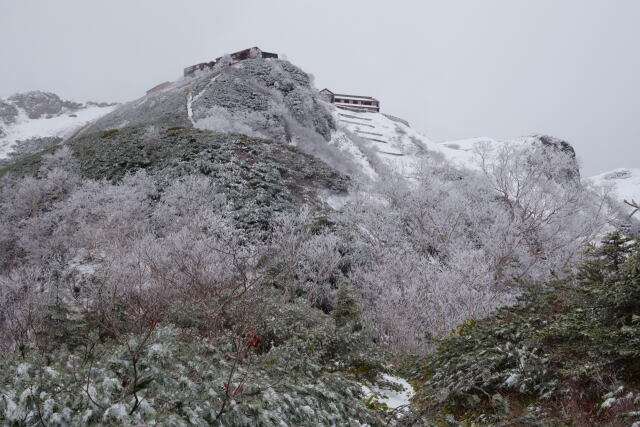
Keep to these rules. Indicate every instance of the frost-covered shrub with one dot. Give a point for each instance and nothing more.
(31, 146)
(307, 260)
(428, 256)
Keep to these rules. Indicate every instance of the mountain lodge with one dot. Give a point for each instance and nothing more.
(352, 102)
(241, 55)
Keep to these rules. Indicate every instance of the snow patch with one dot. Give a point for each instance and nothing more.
(377, 142)
(392, 398)
(64, 126)
(620, 184)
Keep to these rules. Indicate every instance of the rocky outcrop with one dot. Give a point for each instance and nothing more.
(8, 113)
(39, 104)
(556, 145)
(281, 94)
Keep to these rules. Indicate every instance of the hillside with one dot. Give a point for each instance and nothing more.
(230, 249)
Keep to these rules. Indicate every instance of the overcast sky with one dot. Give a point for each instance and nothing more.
(455, 69)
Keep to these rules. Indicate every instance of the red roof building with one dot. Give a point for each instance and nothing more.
(351, 102)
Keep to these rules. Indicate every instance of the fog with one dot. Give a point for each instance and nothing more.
(453, 69)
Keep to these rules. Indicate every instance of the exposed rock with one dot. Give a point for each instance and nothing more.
(101, 104)
(555, 145)
(618, 174)
(8, 113)
(280, 91)
(39, 104)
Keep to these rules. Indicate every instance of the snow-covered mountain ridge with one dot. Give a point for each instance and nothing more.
(377, 140)
(271, 99)
(621, 184)
(37, 114)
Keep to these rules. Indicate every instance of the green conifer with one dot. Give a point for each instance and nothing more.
(346, 307)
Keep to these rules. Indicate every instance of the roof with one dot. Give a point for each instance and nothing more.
(343, 95)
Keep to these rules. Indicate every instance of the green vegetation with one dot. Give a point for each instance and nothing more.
(261, 177)
(26, 165)
(567, 354)
(297, 367)
(108, 133)
(346, 307)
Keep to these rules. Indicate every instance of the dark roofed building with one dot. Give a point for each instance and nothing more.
(241, 55)
(351, 102)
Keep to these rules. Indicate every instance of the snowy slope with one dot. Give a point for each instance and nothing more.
(379, 143)
(464, 152)
(63, 125)
(620, 184)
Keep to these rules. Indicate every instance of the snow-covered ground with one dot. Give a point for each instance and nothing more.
(462, 152)
(392, 398)
(64, 126)
(376, 141)
(620, 184)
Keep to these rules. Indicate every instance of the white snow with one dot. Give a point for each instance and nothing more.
(512, 380)
(345, 144)
(334, 201)
(118, 412)
(62, 126)
(620, 184)
(392, 398)
(609, 402)
(189, 108)
(462, 152)
(191, 99)
(376, 141)
(23, 369)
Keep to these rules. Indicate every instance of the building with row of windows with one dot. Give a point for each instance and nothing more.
(353, 102)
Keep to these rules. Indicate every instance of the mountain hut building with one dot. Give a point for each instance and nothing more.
(241, 55)
(351, 102)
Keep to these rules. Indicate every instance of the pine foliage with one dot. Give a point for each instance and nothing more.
(575, 341)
